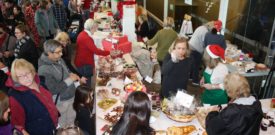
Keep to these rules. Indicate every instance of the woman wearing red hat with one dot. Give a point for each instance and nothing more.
(213, 76)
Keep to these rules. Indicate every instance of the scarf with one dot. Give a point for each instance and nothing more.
(19, 44)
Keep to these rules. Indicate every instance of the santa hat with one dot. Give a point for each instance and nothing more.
(218, 25)
(215, 51)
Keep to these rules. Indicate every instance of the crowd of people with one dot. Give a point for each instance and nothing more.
(43, 93)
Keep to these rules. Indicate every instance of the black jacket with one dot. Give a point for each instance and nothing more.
(235, 119)
(144, 30)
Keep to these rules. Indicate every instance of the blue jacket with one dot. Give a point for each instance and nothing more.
(44, 24)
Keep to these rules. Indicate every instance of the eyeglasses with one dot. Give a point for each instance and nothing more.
(58, 52)
(21, 77)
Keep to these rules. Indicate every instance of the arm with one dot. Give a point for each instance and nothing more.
(168, 65)
(52, 83)
(37, 21)
(153, 40)
(17, 115)
(92, 47)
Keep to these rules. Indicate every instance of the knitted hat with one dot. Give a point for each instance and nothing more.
(218, 25)
(215, 51)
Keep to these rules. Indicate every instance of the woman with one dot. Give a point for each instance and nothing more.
(33, 110)
(29, 16)
(45, 21)
(135, 117)
(18, 15)
(242, 116)
(176, 68)
(83, 106)
(213, 76)
(142, 29)
(7, 45)
(25, 47)
(164, 38)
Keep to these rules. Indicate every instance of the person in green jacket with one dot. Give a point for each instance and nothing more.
(164, 37)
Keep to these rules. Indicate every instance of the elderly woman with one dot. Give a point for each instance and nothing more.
(7, 45)
(213, 76)
(25, 46)
(86, 49)
(176, 68)
(164, 38)
(135, 117)
(242, 116)
(31, 104)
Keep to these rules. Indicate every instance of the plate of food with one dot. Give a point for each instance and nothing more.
(180, 117)
(114, 115)
(106, 103)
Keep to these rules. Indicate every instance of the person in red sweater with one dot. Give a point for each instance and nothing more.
(86, 49)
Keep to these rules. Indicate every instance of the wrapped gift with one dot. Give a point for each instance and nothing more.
(119, 42)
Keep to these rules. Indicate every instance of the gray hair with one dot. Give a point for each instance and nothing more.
(89, 24)
(50, 46)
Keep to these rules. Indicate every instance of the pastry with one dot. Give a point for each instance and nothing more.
(184, 130)
(106, 103)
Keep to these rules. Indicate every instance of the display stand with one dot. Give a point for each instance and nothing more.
(128, 22)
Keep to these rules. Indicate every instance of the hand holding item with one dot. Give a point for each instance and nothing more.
(83, 80)
(202, 81)
(7, 54)
(174, 56)
(74, 77)
(207, 86)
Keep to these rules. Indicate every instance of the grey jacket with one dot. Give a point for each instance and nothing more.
(45, 24)
(56, 77)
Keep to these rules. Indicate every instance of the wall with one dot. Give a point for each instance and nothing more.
(156, 7)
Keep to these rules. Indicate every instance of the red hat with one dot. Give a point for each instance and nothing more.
(215, 51)
(218, 25)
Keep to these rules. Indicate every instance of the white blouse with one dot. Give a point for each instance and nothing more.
(217, 74)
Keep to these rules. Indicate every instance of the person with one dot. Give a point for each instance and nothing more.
(242, 116)
(5, 126)
(64, 39)
(135, 117)
(75, 14)
(60, 14)
(18, 15)
(45, 21)
(29, 17)
(83, 105)
(197, 48)
(213, 37)
(33, 110)
(164, 38)
(156, 69)
(3, 77)
(25, 46)
(213, 76)
(143, 28)
(70, 130)
(59, 80)
(86, 49)
(176, 68)
(7, 45)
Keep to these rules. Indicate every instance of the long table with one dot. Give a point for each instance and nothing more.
(162, 122)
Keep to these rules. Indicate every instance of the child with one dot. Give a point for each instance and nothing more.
(83, 105)
(156, 68)
(176, 68)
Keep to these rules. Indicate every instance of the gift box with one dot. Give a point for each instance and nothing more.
(122, 44)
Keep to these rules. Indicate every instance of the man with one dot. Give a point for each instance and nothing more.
(59, 80)
(60, 14)
(86, 49)
(197, 47)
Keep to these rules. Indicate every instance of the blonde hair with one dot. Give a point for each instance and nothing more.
(62, 36)
(168, 22)
(19, 64)
(209, 61)
(180, 40)
(236, 86)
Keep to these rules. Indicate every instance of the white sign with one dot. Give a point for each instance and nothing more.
(188, 2)
(184, 99)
